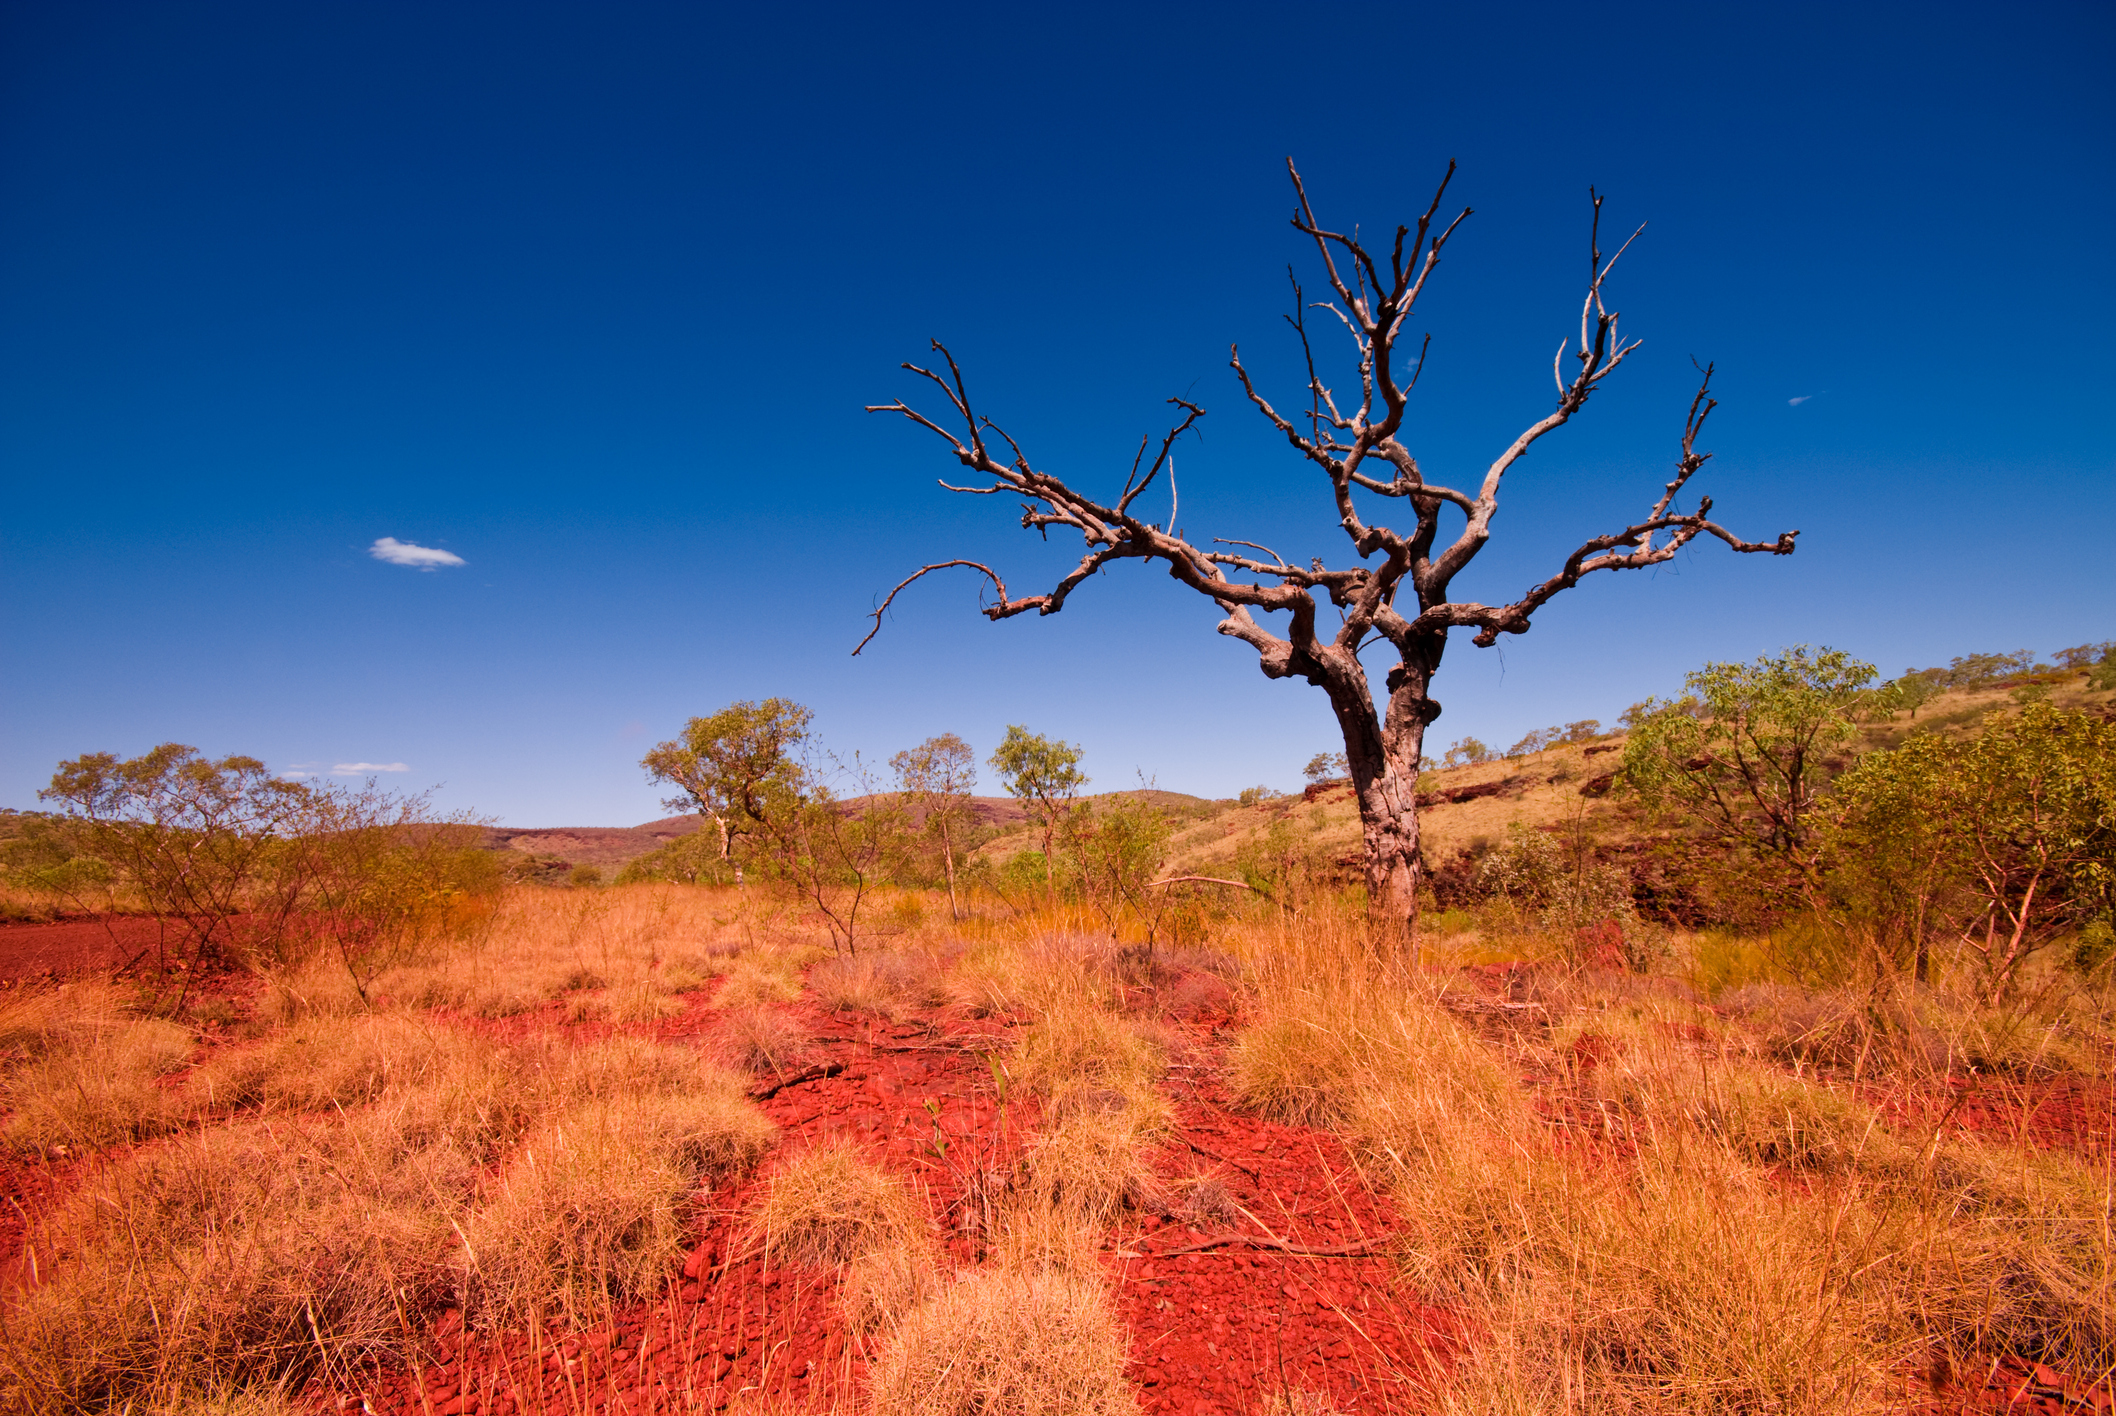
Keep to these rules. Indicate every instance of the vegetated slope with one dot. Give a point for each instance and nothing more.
(1463, 808)
(606, 846)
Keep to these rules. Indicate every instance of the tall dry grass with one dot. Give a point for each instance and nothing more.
(81, 1071)
(334, 1182)
(1683, 1224)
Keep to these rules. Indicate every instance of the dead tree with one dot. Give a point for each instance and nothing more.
(1356, 448)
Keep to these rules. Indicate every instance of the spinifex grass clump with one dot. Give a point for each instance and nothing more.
(1027, 1344)
(1684, 1225)
(374, 1168)
(592, 1210)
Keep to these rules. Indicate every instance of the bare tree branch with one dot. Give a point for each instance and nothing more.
(1373, 302)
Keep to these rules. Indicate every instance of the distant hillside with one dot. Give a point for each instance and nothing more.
(1459, 806)
(606, 847)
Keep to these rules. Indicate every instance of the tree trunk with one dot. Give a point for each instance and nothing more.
(947, 852)
(1382, 757)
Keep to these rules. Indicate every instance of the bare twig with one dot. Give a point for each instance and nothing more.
(793, 1079)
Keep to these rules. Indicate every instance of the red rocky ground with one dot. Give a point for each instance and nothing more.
(1219, 1312)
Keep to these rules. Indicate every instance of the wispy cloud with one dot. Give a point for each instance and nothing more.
(362, 769)
(397, 552)
(1790, 403)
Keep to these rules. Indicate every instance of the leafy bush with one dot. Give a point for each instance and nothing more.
(2005, 841)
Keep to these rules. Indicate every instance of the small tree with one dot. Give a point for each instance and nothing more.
(1119, 849)
(2086, 656)
(2020, 821)
(1466, 752)
(1324, 767)
(735, 767)
(187, 833)
(833, 838)
(1398, 588)
(1044, 776)
(936, 777)
(1745, 752)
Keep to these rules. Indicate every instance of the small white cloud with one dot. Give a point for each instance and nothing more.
(397, 552)
(1790, 403)
(362, 769)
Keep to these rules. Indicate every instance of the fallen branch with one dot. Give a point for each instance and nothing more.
(1464, 1004)
(1258, 1241)
(1203, 880)
(806, 1074)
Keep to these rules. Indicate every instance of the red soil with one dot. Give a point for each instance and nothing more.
(1215, 1329)
(1219, 1310)
(74, 945)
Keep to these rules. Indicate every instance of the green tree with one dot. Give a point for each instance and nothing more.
(736, 767)
(1119, 849)
(833, 847)
(1466, 752)
(2010, 836)
(188, 834)
(1745, 752)
(1325, 767)
(936, 778)
(1045, 776)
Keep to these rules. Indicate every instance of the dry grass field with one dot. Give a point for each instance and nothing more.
(654, 1148)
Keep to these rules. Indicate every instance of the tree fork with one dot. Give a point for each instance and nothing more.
(1354, 444)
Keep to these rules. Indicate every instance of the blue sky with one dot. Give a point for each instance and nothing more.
(591, 296)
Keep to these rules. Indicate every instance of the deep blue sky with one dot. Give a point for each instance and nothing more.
(590, 296)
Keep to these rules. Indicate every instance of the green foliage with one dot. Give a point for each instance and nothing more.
(1466, 752)
(235, 861)
(1119, 847)
(1584, 730)
(373, 876)
(1968, 671)
(1555, 877)
(2094, 947)
(693, 858)
(2006, 840)
(1744, 754)
(1045, 776)
(737, 766)
(1043, 773)
(188, 835)
(1283, 863)
(2085, 656)
(1256, 796)
(936, 779)
(1325, 767)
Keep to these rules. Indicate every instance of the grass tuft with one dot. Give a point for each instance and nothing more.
(1036, 1344)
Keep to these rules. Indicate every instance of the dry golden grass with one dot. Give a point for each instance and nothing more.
(1002, 1343)
(1693, 1212)
(93, 1081)
(1675, 1262)
(321, 1231)
(621, 954)
(872, 981)
(761, 1041)
(592, 1209)
(828, 1205)
(237, 1254)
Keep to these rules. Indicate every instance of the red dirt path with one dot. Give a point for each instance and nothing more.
(1210, 1331)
